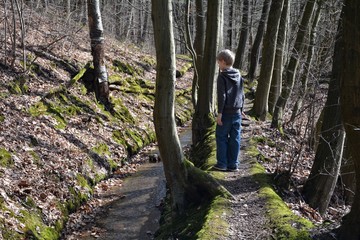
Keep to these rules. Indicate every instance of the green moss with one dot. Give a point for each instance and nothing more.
(38, 109)
(18, 86)
(127, 68)
(78, 76)
(102, 149)
(215, 225)
(84, 183)
(185, 68)
(35, 228)
(121, 111)
(130, 139)
(150, 60)
(99, 177)
(286, 224)
(2, 118)
(5, 158)
(113, 165)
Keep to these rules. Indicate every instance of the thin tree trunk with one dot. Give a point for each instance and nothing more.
(229, 32)
(276, 80)
(19, 9)
(255, 50)
(240, 52)
(164, 116)
(203, 120)
(268, 56)
(292, 66)
(13, 52)
(199, 45)
(308, 63)
(145, 23)
(350, 101)
(5, 31)
(190, 47)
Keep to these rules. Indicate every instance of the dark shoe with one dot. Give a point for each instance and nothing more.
(219, 168)
(233, 169)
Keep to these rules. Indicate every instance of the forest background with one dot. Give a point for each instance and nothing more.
(291, 52)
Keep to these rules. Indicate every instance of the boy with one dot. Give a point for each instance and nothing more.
(230, 110)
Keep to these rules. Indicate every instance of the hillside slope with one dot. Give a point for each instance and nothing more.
(56, 141)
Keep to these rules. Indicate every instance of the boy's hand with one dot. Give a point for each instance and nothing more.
(218, 119)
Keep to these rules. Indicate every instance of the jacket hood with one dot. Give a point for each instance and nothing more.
(232, 74)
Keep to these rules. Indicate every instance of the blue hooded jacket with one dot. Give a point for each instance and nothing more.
(230, 91)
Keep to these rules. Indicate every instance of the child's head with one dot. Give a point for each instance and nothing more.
(226, 56)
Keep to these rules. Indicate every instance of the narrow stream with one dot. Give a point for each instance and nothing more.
(135, 215)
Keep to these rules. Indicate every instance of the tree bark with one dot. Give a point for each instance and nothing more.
(307, 64)
(203, 120)
(199, 45)
(293, 64)
(268, 56)
(190, 48)
(321, 182)
(350, 102)
(276, 79)
(97, 50)
(240, 52)
(229, 32)
(164, 116)
(255, 50)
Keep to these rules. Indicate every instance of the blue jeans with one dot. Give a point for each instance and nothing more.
(228, 137)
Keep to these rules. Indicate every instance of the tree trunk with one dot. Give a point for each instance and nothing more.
(347, 175)
(145, 23)
(203, 120)
(240, 52)
(164, 116)
(190, 48)
(255, 50)
(229, 32)
(97, 50)
(293, 64)
(268, 56)
(199, 45)
(307, 63)
(276, 79)
(350, 105)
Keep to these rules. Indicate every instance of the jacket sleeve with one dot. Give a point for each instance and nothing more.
(221, 93)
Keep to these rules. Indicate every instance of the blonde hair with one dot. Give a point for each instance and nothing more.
(226, 55)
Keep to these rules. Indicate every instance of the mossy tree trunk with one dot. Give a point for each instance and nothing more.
(276, 79)
(203, 120)
(293, 64)
(96, 29)
(255, 49)
(350, 105)
(244, 32)
(268, 56)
